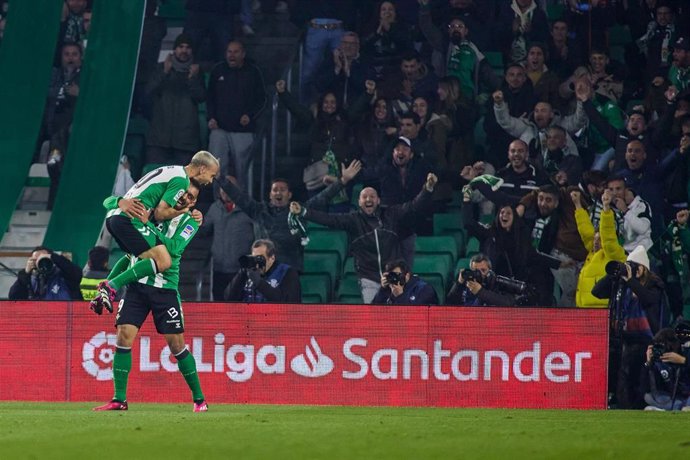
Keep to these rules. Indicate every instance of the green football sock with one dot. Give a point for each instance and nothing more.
(122, 364)
(187, 366)
(141, 269)
(120, 266)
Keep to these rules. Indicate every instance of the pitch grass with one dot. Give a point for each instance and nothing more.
(167, 431)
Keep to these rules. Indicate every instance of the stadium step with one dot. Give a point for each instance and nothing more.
(36, 187)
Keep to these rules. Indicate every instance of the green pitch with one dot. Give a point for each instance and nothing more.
(171, 431)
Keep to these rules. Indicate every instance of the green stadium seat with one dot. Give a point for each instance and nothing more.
(455, 204)
(472, 247)
(348, 291)
(328, 242)
(462, 263)
(173, 11)
(313, 225)
(354, 199)
(148, 167)
(619, 35)
(437, 245)
(495, 59)
(438, 286)
(433, 265)
(450, 224)
(349, 268)
(314, 288)
(554, 11)
(316, 263)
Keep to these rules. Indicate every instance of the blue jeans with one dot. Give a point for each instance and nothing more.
(315, 44)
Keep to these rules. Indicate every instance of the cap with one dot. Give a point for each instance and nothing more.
(639, 256)
(682, 43)
(404, 140)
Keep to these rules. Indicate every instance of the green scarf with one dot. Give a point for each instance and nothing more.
(297, 227)
(538, 230)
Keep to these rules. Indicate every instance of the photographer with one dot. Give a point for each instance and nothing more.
(47, 276)
(669, 371)
(478, 286)
(263, 279)
(637, 314)
(400, 287)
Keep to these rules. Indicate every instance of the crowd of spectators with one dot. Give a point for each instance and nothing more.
(572, 142)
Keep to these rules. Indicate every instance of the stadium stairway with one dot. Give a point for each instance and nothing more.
(98, 127)
(23, 48)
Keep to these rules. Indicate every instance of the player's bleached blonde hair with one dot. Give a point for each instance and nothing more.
(204, 158)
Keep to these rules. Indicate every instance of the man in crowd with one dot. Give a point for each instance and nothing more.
(158, 294)
(95, 272)
(400, 287)
(236, 98)
(373, 231)
(264, 279)
(479, 290)
(176, 90)
(272, 217)
(635, 213)
(47, 276)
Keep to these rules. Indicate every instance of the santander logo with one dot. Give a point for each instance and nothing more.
(313, 363)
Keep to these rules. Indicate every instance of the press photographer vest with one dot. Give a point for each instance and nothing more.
(274, 278)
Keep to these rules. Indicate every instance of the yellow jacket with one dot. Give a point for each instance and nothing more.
(595, 265)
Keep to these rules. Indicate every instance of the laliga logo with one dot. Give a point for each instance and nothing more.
(318, 364)
(104, 344)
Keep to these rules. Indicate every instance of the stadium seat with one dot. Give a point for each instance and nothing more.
(348, 291)
(349, 267)
(315, 263)
(436, 283)
(328, 242)
(313, 225)
(437, 245)
(554, 11)
(432, 266)
(173, 11)
(455, 205)
(354, 199)
(314, 288)
(495, 59)
(619, 35)
(472, 247)
(450, 224)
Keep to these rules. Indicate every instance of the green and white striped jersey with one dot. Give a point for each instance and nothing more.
(167, 183)
(175, 234)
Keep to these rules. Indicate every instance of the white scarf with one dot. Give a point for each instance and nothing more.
(525, 17)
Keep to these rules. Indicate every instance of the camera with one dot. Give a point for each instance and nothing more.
(395, 278)
(618, 269)
(471, 275)
(44, 266)
(510, 285)
(658, 349)
(252, 262)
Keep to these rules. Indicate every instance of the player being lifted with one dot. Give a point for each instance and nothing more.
(157, 193)
(158, 293)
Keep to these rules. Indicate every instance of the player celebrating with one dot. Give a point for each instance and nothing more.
(158, 293)
(159, 190)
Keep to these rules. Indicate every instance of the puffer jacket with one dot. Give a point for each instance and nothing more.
(594, 267)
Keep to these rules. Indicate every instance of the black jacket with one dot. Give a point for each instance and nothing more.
(70, 273)
(374, 238)
(415, 292)
(233, 92)
(289, 289)
(460, 295)
(273, 223)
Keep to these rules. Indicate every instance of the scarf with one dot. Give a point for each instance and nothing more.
(673, 247)
(329, 159)
(492, 181)
(538, 230)
(297, 227)
(179, 66)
